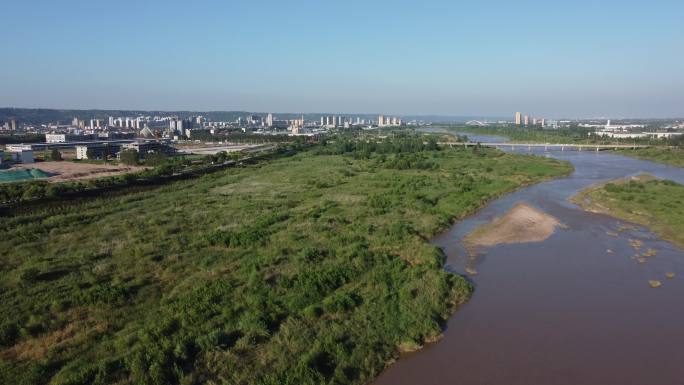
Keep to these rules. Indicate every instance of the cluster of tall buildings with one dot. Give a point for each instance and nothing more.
(384, 121)
(526, 120)
(335, 121)
(10, 125)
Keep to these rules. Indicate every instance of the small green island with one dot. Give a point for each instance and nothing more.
(654, 203)
(312, 268)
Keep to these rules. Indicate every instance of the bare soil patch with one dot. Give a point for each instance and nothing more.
(70, 170)
(521, 224)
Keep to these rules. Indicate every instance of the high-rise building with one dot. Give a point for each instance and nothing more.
(111, 121)
(322, 121)
(527, 120)
(381, 120)
(518, 118)
(13, 124)
(269, 120)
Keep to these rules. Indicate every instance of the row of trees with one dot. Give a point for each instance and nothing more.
(401, 144)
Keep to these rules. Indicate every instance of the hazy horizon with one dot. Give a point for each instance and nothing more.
(579, 60)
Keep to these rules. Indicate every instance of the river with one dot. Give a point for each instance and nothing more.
(565, 310)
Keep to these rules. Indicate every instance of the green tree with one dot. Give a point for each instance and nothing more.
(55, 154)
(129, 157)
(155, 159)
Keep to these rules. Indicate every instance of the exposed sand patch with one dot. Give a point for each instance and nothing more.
(521, 224)
(66, 170)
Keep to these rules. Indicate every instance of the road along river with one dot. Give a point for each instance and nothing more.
(575, 308)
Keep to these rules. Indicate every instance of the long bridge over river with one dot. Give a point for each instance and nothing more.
(547, 146)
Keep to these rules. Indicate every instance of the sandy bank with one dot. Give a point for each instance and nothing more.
(521, 224)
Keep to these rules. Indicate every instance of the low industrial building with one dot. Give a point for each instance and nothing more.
(61, 138)
(146, 147)
(96, 150)
(62, 145)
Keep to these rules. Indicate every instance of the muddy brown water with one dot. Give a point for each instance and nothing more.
(561, 311)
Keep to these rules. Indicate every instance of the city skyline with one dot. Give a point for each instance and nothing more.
(577, 60)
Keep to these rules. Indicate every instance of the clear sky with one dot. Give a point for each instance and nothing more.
(555, 58)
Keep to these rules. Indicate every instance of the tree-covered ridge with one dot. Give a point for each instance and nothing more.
(304, 270)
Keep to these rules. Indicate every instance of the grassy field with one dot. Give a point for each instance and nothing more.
(671, 156)
(311, 269)
(656, 204)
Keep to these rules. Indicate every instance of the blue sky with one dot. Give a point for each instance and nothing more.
(573, 59)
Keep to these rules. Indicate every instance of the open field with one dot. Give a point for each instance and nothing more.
(66, 170)
(312, 269)
(653, 203)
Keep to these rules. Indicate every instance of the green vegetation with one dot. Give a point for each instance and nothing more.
(237, 136)
(55, 155)
(21, 138)
(530, 135)
(308, 269)
(671, 156)
(654, 203)
(572, 135)
(129, 157)
(164, 170)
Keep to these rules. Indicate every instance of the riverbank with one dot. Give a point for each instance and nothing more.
(671, 156)
(654, 203)
(565, 304)
(308, 269)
